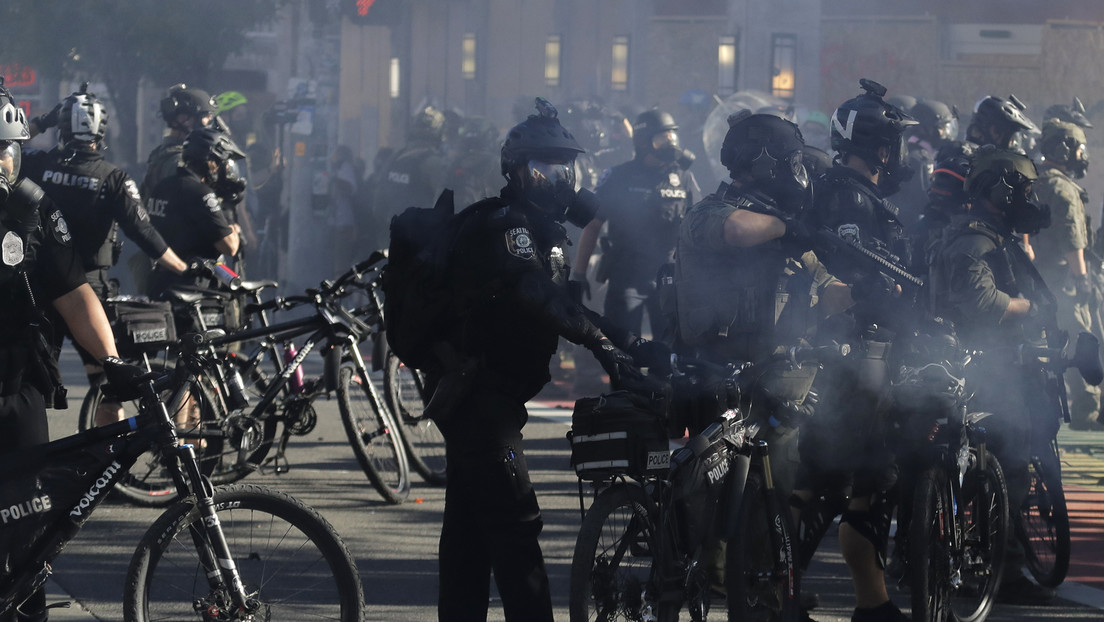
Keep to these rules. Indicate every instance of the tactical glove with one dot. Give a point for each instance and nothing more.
(45, 121)
(798, 236)
(122, 378)
(615, 362)
(651, 354)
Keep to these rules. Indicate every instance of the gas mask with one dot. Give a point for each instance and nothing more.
(550, 186)
(1079, 163)
(11, 157)
(783, 179)
(665, 146)
(229, 185)
(896, 171)
(1021, 209)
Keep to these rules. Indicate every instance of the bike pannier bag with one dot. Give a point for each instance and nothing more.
(618, 433)
(140, 325)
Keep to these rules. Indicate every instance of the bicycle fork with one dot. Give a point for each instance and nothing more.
(784, 564)
(214, 554)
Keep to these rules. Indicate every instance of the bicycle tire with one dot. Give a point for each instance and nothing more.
(147, 483)
(929, 554)
(612, 568)
(759, 585)
(424, 443)
(1042, 522)
(288, 556)
(984, 508)
(373, 435)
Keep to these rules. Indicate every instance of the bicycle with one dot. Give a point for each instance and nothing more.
(241, 404)
(954, 500)
(642, 547)
(242, 552)
(1042, 523)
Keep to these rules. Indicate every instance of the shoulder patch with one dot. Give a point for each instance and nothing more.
(59, 228)
(132, 190)
(212, 202)
(519, 241)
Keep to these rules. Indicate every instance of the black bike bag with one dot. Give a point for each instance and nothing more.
(619, 433)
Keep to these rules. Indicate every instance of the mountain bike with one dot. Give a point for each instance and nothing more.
(954, 500)
(647, 541)
(241, 552)
(241, 402)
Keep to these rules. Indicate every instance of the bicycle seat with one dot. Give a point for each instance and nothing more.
(185, 296)
(256, 286)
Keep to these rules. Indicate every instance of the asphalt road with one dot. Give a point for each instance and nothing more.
(395, 546)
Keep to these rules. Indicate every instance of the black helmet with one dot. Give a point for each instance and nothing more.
(1005, 115)
(427, 124)
(650, 123)
(208, 143)
(1073, 113)
(947, 186)
(768, 152)
(1004, 178)
(478, 134)
(83, 118)
(195, 103)
(538, 135)
(864, 124)
(938, 122)
(1064, 143)
(903, 102)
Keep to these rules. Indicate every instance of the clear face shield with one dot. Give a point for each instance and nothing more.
(550, 184)
(666, 145)
(947, 130)
(11, 157)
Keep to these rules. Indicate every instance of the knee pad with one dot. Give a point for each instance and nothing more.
(870, 525)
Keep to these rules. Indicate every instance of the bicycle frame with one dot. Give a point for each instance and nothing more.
(123, 442)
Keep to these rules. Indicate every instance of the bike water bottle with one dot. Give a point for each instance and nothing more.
(296, 380)
(235, 388)
(228, 277)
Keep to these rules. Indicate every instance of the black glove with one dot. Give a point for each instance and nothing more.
(578, 287)
(615, 362)
(798, 236)
(875, 288)
(197, 267)
(651, 354)
(122, 378)
(45, 121)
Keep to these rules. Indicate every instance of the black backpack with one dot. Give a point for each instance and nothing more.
(417, 297)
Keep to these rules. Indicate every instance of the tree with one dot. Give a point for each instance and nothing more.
(119, 42)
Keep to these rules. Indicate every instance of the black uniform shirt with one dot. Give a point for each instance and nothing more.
(188, 214)
(643, 207)
(93, 195)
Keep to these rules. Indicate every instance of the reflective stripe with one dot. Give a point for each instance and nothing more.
(601, 464)
(608, 436)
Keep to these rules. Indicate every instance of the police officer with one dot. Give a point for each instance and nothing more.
(868, 135)
(39, 268)
(96, 198)
(416, 173)
(937, 125)
(983, 281)
(509, 272)
(187, 208)
(642, 201)
(183, 109)
(1060, 249)
(473, 173)
(998, 122)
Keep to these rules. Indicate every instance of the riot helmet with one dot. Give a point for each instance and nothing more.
(82, 119)
(947, 185)
(1073, 113)
(996, 121)
(903, 102)
(428, 125)
(1064, 144)
(767, 153)
(211, 153)
(194, 104)
(1004, 179)
(538, 161)
(866, 124)
(938, 122)
(656, 132)
(478, 134)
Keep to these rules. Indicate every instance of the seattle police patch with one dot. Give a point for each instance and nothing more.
(60, 228)
(212, 202)
(520, 242)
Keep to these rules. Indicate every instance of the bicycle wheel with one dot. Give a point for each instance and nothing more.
(1042, 522)
(291, 562)
(983, 507)
(761, 573)
(425, 446)
(372, 434)
(929, 540)
(148, 483)
(612, 569)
